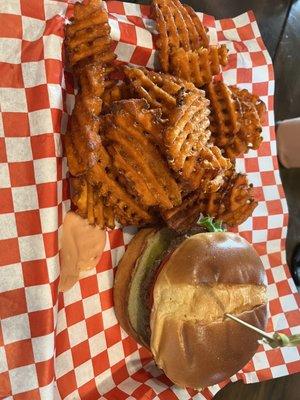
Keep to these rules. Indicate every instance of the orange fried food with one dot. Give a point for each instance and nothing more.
(183, 43)
(104, 215)
(185, 216)
(142, 115)
(114, 93)
(244, 96)
(112, 198)
(224, 113)
(79, 195)
(249, 134)
(91, 79)
(210, 168)
(82, 139)
(76, 165)
(238, 201)
(198, 66)
(92, 64)
(88, 34)
(235, 119)
(131, 134)
(201, 30)
(232, 204)
(166, 35)
(155, 146)
(160, 90)
(83, 198)
(185, 25)
(90, 204)
(126, 209)
(185, 140)
(178, 27)
(104, 210)
(187, 127)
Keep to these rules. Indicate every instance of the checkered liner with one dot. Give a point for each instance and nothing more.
(70, 346)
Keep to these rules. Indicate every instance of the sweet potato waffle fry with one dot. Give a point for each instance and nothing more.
(198, 66)
(224, 112)
(90, 204)
(183, 43)
(233, 203)
(104, 215)
(141, 114)
(148, 176)
(82, 140)
(185, 139)
(188, 126)
(251, 115)
(126, 209)
(160, 90)
(249, 134)
(193, 35)
(78, 190)
(178, 27)
(167, 34)
(99, 197)
(244, 96)
(88, 34)
(201, 30)
(235, 119)
(238, 201)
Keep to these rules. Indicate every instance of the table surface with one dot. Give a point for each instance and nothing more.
(280, 28)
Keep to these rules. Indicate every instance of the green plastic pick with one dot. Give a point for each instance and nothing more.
(282, 340)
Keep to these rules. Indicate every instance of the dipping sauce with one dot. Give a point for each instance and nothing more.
(81, 247)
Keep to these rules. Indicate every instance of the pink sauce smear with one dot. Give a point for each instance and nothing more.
(81, 246)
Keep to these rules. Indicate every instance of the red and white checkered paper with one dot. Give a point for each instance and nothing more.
(70, 345)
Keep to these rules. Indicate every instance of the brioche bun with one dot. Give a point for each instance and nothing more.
(206, 276)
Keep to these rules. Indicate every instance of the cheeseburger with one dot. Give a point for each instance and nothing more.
(171, 295)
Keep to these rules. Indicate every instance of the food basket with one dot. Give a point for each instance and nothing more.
(70, 346)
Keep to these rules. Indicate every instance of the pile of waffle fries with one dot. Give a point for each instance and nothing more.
(157, 146)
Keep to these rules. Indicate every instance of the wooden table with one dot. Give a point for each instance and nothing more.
(279, 23)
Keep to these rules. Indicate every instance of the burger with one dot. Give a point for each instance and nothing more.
(172, 293)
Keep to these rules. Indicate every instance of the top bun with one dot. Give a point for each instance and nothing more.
(208, 275)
